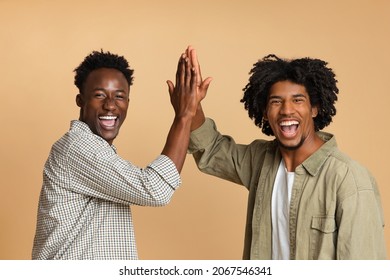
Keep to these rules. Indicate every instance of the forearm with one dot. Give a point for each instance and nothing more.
(101, 173)
(198, 119)
(177, 141)
(219, 155)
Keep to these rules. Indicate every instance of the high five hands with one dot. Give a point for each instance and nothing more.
(190, 88)
(185, 97)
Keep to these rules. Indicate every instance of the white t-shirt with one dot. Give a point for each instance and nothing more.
(281, 196)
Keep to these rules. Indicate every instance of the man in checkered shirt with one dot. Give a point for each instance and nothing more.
(87, 189)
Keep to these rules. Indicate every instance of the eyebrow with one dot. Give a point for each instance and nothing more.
(103, 89)
(294, 96)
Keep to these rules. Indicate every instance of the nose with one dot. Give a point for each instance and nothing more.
(109, 104)
(287, 108)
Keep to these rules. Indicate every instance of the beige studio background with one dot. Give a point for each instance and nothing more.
(43, 41)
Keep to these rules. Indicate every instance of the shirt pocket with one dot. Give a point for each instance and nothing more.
(323, 238)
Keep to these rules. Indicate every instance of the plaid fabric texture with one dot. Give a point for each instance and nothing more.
(84, 206)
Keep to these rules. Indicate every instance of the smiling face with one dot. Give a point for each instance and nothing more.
(104, 101)
(290, 115)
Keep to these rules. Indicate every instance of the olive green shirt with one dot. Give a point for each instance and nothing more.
(335, 209)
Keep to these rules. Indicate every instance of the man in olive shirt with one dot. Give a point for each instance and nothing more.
(307, 200)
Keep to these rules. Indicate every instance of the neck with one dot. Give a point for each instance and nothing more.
(294, 157)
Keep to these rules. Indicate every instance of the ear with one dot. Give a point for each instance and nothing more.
(314, 111)
(79, 100)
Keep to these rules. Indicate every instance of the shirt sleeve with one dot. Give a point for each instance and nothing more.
(360, 219)
(220, 155)
(203, 137)
(97, 171)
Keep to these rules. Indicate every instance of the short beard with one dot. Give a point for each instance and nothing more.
(291, 148)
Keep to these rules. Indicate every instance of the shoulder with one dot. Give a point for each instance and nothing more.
(357, 174)
(339, 168)
(80, 139)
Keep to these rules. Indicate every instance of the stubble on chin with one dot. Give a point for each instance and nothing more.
(291, 148)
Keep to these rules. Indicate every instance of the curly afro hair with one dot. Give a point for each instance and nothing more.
(96, 60)
(313, 74)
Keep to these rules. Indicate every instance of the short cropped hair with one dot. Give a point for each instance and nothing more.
(313, 74)
(101, 59)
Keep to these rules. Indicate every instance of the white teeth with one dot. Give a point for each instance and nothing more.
(107, 117)
(288, 123)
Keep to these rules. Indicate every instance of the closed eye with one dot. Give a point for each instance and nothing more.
(299, 100)
(275, 101)
(100, 95)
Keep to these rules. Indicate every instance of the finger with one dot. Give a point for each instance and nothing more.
(206, 83)
(179, 69)
(191, 52)
(171, 87)
(182, 71)
(204, 87)
(188, 50)
(188, 72)
(194, 80)
(195, 63)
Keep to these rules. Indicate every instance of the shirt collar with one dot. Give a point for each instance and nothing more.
(314, 163)
(76, 124)
(79, 125)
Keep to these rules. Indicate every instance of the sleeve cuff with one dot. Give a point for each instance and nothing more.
(165, 167)
(203, 136)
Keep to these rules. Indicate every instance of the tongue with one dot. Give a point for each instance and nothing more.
(290, 128)
(108, 122)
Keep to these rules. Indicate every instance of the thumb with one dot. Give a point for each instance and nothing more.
(171, 87)
(205, 84)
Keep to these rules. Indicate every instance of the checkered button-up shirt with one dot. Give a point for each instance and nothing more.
(83, 210)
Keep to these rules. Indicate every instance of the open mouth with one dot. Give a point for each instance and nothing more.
(289, 128)
(108, 121)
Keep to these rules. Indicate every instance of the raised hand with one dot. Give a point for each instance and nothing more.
(183, 95)
(202, 86)
(185, 98)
